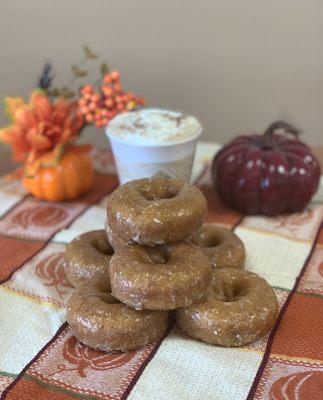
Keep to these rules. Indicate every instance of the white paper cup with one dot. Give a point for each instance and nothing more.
(169, 160)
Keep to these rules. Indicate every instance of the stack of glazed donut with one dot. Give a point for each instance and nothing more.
(154, 256)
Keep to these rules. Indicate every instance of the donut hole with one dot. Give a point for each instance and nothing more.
(158, 255)
(232, 293)
(102, 245)
(208, 240)
(154, 193)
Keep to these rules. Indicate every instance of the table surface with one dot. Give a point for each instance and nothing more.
(40, 359)
(6, 165)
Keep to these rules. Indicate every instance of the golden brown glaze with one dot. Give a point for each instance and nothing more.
(87, 258)
(240, 308)
(99, 321)
(159, 278)
(114, 239)
(155, 211)
(222, 246)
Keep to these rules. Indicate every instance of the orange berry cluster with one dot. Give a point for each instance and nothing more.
(100, 107)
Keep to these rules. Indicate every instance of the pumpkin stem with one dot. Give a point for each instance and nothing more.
(287, 128)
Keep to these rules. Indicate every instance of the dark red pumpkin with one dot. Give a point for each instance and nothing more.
(267, 174)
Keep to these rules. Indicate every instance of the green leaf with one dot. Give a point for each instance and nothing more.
(67, 92)
(89, 53)
(78, 72)
(104, 69)
(53, 92)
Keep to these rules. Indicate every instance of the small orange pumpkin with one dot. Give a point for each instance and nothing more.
(65, 178)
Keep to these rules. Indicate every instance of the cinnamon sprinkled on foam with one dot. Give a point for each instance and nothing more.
(153, 127)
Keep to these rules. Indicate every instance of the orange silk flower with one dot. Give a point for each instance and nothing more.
(40, 126)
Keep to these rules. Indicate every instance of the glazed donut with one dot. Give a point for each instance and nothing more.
(99, 321)
(159, 278)
(221, 245)
(155, 211)
(240, 308)
(87, 258)
(114, 239)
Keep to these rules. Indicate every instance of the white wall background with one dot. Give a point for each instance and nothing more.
(237, 65)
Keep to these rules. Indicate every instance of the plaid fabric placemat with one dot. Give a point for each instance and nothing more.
(39, 359)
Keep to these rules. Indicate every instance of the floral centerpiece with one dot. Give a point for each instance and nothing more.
(43, 131)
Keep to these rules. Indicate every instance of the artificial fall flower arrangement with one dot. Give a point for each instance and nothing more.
(43, 132)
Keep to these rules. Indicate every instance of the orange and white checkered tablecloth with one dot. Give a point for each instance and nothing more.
(40, 360)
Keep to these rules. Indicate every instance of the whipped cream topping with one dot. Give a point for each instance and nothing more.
(153, 127)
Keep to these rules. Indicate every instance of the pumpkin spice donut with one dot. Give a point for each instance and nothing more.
(159, 278)
(87, 258)
(101, 322)
(155, 211)
(240, 308)
(222, 246)
(114, 239)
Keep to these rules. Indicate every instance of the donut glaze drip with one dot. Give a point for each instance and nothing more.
(98, 320)
(88, 258)
(155, 211)
(159, 278)
(222, 246)
(239, 308)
